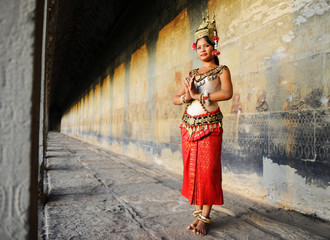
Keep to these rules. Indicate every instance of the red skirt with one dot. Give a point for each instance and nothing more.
(202, 175)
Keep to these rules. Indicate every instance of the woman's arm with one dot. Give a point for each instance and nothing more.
(225, 93)
(176, 99)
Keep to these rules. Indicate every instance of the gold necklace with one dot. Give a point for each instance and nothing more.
(213, 71)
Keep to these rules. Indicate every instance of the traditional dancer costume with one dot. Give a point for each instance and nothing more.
(201, 132)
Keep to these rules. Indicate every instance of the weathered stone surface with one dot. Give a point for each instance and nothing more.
(68, 181)
(116, 197)
(283, 230)
(58, 163)
(19, 101)
(237, 228)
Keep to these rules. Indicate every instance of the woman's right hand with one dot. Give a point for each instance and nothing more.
(186, 83)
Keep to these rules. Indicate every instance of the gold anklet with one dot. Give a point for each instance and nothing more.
(204, 219)
(197, 212)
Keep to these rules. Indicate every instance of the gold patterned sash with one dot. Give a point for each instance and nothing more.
(202, 120)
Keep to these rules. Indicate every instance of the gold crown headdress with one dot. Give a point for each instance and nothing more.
(207, 29)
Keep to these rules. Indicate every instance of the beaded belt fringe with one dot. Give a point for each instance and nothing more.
(206, 123)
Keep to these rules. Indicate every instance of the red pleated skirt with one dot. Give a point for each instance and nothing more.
(202, 175)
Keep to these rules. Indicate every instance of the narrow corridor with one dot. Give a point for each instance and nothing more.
(96, 194)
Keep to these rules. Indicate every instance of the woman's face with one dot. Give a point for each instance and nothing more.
(204, 50)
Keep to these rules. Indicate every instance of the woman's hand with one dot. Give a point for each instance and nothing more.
(188, 87)
(186, 83)
(192, 88)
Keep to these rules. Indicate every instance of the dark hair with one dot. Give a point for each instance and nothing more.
(216, 59)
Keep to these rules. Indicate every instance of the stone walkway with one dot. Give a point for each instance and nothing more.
(96, 194)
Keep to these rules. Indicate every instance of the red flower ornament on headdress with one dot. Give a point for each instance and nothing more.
(193, 46)
(215, 38)
(215, 53)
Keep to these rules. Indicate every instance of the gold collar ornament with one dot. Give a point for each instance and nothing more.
(207, 29)
(210, 73)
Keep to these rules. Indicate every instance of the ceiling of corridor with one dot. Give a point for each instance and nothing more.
(78, 32)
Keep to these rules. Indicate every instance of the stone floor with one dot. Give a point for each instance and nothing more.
(95, 194)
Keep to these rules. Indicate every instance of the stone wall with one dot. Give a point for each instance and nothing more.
(276, 127)
(20, 54)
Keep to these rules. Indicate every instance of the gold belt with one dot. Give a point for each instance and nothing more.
(202, 120)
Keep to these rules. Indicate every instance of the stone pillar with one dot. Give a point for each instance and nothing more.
(20, 64)
(43, 129)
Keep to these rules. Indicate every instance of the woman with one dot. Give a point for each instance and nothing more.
(201, 129)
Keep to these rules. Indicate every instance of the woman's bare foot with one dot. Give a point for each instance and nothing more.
(201, 228)
(193, 225)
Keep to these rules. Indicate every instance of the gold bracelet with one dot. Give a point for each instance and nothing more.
(201, 99)
(183, 98)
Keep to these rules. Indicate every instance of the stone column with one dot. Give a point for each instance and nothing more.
(20, 65)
